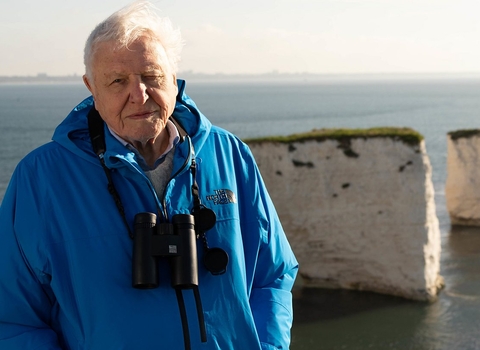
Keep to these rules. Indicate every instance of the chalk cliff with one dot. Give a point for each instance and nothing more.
(462, 188)
(358, 208)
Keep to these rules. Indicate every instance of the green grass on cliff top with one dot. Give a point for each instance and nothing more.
(407, 135)
(465, 133)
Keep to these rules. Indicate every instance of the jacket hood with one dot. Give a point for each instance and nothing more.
(72, 133)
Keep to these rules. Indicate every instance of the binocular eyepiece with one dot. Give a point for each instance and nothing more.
(175, 241)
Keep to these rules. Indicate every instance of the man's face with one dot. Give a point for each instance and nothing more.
(134, 89)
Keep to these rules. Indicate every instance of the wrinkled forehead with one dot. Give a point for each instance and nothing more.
(144, 46)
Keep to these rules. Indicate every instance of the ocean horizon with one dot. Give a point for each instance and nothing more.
(272, 76)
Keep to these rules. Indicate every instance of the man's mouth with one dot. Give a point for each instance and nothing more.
(141, 115)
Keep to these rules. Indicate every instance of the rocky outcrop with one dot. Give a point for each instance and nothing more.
(462, 188)
(358, 208)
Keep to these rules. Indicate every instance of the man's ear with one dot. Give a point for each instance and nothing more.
(175, 82)
(87, 83)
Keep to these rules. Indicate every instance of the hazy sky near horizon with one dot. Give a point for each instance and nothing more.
(258, 36)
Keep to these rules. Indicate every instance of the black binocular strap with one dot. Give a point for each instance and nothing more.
(97, 137)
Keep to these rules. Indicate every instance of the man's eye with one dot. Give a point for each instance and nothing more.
(117, 81)
(153, 77)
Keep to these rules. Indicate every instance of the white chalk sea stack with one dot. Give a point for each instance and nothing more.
(462, 188)
(358, 208)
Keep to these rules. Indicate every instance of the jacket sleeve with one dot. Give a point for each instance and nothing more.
(25, 306)
(274, 272)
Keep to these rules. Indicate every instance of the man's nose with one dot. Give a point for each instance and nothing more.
(138, 91)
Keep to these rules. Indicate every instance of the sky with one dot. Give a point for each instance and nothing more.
(259, 36)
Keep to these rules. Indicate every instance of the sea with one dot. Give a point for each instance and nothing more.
(323, 319)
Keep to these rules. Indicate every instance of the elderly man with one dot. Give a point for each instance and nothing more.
(142, 225)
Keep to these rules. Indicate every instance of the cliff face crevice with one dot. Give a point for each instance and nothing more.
(359, 214)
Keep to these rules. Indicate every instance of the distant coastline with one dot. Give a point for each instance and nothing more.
(274, 76)
(40, 79)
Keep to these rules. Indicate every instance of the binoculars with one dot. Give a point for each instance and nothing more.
(175, 240)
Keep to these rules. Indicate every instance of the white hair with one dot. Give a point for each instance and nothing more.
(128, 24)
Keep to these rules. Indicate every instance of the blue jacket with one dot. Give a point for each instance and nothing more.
(65, 253)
